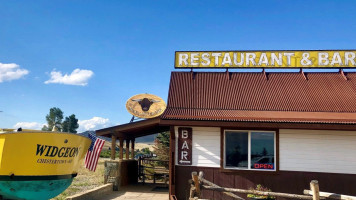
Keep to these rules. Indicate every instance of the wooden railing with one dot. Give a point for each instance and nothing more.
(198, 183)
(153, 168)
(172, 197)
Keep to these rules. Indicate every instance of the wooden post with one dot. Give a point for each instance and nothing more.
(196, 183)
(191, 192)
(329, 195)
(127, 149)
(314, 187)
(121, 148)
(192, 189)
(172, 147)
(201, 175)
(113, 147)
(133, 149)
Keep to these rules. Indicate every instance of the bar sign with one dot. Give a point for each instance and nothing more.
(184, 146)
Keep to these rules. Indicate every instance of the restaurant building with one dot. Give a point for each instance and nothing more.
(281, 130)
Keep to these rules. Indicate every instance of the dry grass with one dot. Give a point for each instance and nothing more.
(144, 145)
(85, 180)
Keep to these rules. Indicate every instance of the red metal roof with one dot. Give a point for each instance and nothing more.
(271, 97)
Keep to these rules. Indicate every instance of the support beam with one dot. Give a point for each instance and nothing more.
(127, 149)
(121, 148)
(172, 147)
(133, 149)
(113, 147)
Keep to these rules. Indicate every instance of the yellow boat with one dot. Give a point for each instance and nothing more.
(37, 164)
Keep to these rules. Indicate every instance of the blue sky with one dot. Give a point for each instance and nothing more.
(116, 49)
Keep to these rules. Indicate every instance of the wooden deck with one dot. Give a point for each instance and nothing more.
(139, 192)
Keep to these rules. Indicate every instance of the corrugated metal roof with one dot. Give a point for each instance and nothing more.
(242, 97)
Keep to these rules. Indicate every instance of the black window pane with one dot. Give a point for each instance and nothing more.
(236, 149)
(262, 150)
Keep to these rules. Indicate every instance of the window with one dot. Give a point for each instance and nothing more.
(250, 150)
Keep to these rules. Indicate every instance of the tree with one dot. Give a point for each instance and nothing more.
(161, 148)
(264, 152)
(54, 118)
(70, 124)
(146, 151)
(45, 128)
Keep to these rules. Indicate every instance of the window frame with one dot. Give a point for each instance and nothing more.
(249, 169)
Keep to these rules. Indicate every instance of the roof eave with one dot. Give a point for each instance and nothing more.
(134, 129)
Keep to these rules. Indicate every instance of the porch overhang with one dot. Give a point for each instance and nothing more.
(134, 129)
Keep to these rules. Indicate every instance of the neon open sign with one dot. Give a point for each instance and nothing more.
(263, 166)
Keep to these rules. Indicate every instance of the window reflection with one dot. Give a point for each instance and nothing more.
(260, 144)
(262, 150)
(236, 149)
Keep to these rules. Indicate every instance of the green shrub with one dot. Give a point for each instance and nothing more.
(261, 188)
(107, 154)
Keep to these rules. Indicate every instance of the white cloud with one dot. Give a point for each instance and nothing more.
(11, 71)
(29, 125)
(93, 124)
(77, 77)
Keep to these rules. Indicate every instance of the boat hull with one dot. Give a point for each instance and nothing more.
(39, 165)
(33, 190)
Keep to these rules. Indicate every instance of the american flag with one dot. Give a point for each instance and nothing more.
(92, 156)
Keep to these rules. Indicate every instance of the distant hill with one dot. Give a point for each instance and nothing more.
(147, 139)
(86, 133)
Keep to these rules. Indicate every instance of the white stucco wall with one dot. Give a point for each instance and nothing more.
(318, 151)
(299, 150)
(205, 146)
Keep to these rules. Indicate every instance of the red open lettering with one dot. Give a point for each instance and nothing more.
(263, 166)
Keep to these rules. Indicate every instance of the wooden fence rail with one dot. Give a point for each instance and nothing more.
(172, 197)
(198, 183)
(332, 195)
(274, 194)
